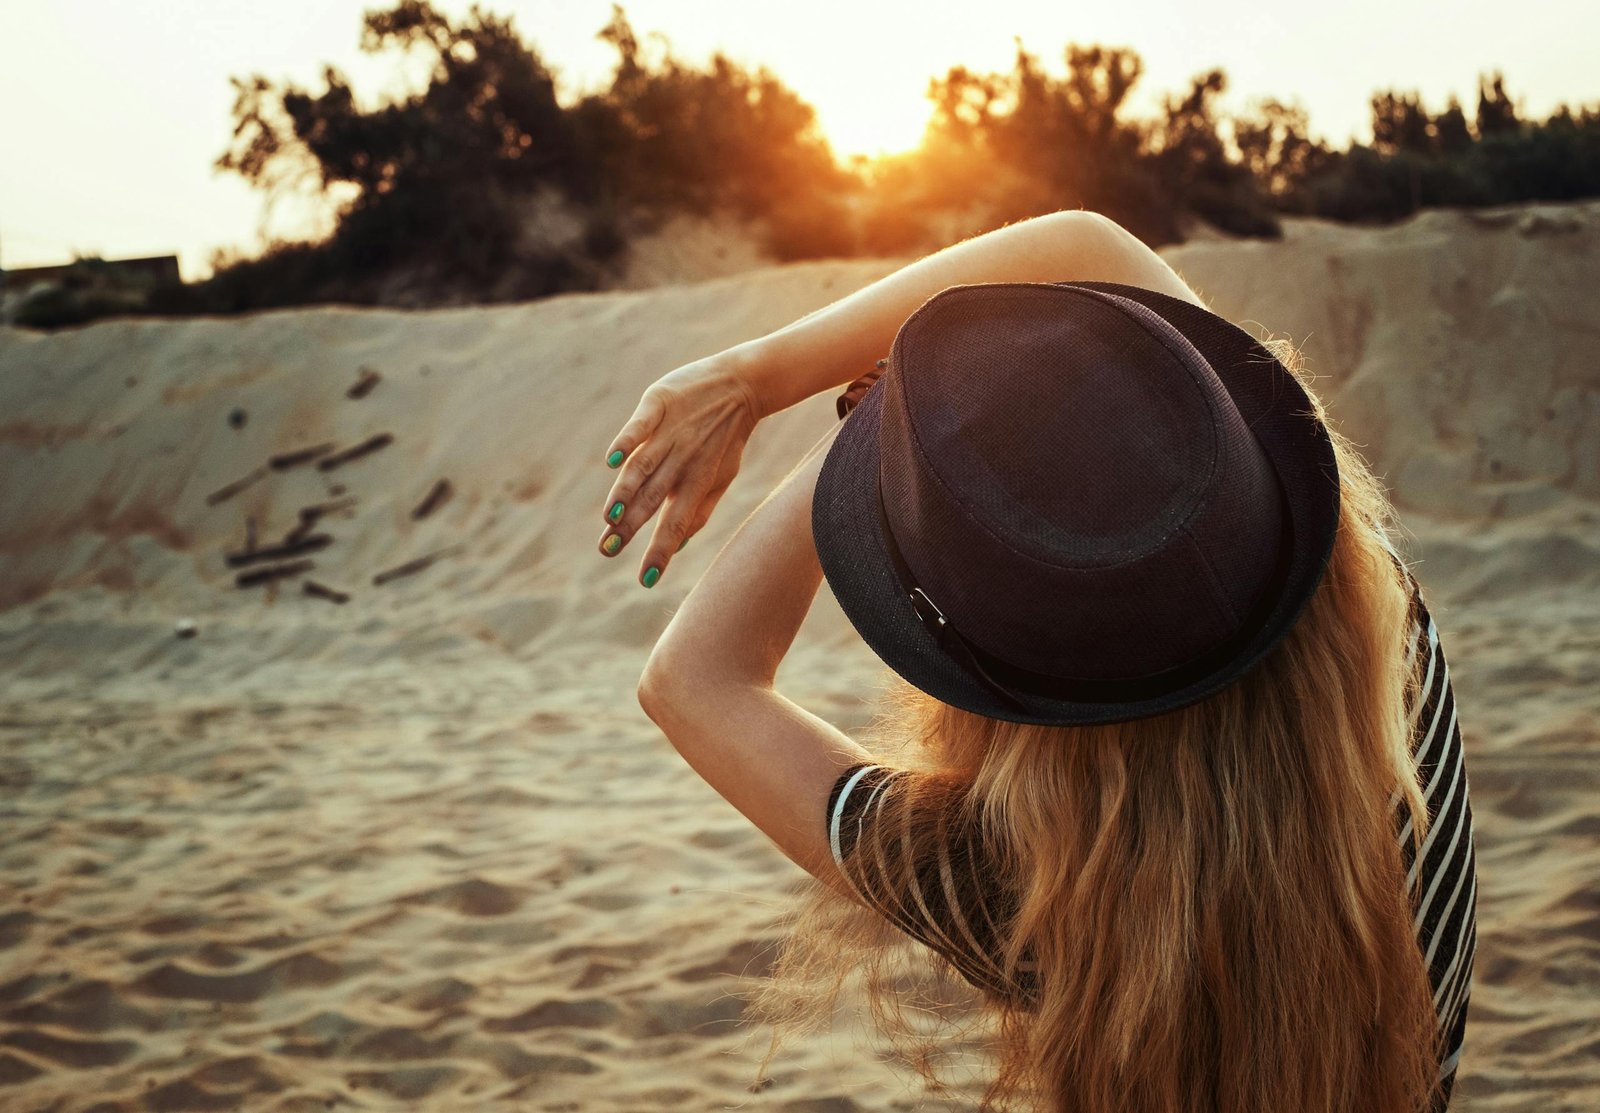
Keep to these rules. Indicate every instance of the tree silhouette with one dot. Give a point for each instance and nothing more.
(1275, 146)
(430, 180)
(1452, 134)
(1194, 164)
(1496, 114)
(676, 137)
(1400, 123)
(1027, 142)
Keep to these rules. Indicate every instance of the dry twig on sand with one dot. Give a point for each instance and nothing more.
(273, 573)
(322, 591)
(412, 567)
(364, 383)
(435, 498)
(283, 461)
(355, 452)
(222, 494)
(311, 515)
(313, 544)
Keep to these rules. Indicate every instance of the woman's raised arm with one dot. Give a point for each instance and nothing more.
(683, 443)
(833, 345)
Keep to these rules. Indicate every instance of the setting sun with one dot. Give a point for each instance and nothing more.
(855, 123)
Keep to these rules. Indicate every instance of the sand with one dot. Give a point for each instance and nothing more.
(423, 849)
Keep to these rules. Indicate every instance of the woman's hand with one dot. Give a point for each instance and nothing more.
(682, 445)
(678, 453)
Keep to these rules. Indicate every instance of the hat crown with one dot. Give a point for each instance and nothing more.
(1103, 445)
(1061, 466)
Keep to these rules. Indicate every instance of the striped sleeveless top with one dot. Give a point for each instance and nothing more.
(949, 908)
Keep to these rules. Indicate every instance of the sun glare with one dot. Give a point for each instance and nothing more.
(861, 124)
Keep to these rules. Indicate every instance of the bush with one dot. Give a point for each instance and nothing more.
(1418, 160)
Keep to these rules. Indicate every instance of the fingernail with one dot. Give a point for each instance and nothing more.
(611, 544)
(614, 459)
(681, 544)
(651, 575)
(615, 513)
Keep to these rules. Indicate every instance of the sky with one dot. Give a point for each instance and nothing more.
(112, 112)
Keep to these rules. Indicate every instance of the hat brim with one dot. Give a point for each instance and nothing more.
(855, 560)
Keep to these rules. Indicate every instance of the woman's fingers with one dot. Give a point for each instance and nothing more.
(685, 512)
(673, 528)
(707, 505)
(674, 457)
(671, 531)
(647, 478)
(642, 488)
(646, 416)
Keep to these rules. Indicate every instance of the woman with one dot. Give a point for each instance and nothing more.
(1173, 777)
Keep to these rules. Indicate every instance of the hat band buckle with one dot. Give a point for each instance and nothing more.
(970, 658)
(933, 619)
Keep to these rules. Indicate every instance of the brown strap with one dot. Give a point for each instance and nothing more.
(854, 392)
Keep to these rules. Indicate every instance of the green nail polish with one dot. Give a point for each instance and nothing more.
(651, 575)
(612, 544)
(614, 459)
(615, 513)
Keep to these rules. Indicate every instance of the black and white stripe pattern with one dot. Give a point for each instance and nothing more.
(1445, 900)
(950, 907)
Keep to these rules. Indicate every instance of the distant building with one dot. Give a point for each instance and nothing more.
(151, 270)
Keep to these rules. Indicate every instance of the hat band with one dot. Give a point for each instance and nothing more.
(1006, 680)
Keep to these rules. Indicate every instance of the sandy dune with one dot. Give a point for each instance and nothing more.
(423, 849)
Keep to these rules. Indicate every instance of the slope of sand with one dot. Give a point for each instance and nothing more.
(423, 849)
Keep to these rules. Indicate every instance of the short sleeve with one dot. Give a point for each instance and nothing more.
(949, 899)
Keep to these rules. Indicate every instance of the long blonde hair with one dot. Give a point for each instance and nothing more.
(1214, 897)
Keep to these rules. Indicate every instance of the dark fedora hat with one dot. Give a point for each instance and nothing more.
(1075, 502)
